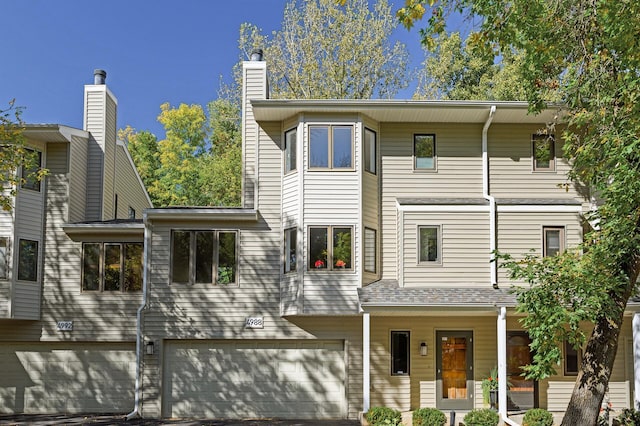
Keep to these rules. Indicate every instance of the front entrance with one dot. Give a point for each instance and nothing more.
(454, 370)
(523, 393)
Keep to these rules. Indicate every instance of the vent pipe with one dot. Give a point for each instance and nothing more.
(99, 76)
(256, 55)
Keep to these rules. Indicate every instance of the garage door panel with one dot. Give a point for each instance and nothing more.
(229, 379)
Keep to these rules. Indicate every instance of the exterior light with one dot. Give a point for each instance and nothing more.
(423, 349)
(149, 347)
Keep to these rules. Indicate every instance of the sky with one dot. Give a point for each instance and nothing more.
(153, 51)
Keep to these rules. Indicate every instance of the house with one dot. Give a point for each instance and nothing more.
(356, 273)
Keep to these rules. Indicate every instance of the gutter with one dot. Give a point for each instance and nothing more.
(143, 306)
(489, 198)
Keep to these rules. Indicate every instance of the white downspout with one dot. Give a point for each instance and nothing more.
(502, 366)
(636, 360)
(485, 194)
(143, 306)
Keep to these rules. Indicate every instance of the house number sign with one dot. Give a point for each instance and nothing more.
(64, 325)
(254, 322)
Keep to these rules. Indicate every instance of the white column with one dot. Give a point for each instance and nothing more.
(636, 360)
(502, 362)
(366, 378)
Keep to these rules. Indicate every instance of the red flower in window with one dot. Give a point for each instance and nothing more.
(340, 263)
(319, 263)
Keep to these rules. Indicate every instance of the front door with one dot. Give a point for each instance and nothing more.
(454, 370)
(523, 393)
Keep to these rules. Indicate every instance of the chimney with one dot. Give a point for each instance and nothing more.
(99, 76)
(254, 86)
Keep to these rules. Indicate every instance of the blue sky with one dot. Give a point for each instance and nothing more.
(153, 51)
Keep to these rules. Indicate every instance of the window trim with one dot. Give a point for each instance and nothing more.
(21, 277)
(366, 252)
(329, 250)
(34, 185)
(102, 266)
(4, 265)
(372, 162)
(535, 138)
(330, 150)
(438, 260)
(292, 165)
(561, 239)
(577, 353)
(286, 264)
(435, 153)
(392, 355)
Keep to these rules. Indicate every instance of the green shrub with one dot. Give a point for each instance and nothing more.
(537, 417)
(383, 416)
(628, 417)
(429, 417)
(482, 417)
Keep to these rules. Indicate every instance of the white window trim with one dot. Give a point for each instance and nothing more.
(438, 261)
(330, 167)
(414, 157)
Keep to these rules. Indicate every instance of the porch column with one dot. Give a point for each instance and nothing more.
(502, 362)
(366, 378)
(636, 360)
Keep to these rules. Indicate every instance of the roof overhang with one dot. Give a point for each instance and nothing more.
(53, 132)
(407, 111)
(202, 213)
(105, 231)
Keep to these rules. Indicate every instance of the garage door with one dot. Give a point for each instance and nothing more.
(240, 379)
(67, 377)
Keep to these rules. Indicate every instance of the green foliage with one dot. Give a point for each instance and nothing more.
(537, 417)
(628, 417)
(489, 383)
(383, 416)
(428, 417)
(482, 417)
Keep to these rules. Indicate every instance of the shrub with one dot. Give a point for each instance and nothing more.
(429, 417)
(482, 417)
(383, 416)
(537, 417)
(628, 417)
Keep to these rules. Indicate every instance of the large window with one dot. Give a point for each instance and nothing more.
(429, 250)
(112, 267)
(331, 147)
(199, 256)
(330, 248)
(544, 157)
(30, 170)
(370, 159)
(290, 256)
(370, 250)
(424, 152)
(28, 260)
(290, 150)
(400, 353)
(553, 240)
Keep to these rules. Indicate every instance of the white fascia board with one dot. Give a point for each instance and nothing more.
(443, 208)
(540, 209)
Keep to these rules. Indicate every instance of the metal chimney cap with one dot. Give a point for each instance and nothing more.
(256, 55)
(99, 76)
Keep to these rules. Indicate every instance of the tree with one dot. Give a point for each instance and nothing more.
(143, 147)
(325, 51)
(14, 156)
(589, 52)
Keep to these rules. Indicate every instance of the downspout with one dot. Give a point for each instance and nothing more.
(502, 366)
(489, 198)
(143, 306)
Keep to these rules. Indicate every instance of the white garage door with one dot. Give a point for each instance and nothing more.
(240, 379)
(67, 377)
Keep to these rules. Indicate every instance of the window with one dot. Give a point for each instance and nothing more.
(334, 256)
(400, 353)
(290, 241)
(30, 170)
(424, 152)
(543, 152)
(290, 150)
(370, 151)
(572, 360)
(553, 240)
(132, 213)
(429, 244)
(4, 258)
(112, 267)
(331, 147)
(370, 250)
(28, 260)
(199, 256)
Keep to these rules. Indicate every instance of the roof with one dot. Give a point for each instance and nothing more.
(406, 111)
(53, 132)
(109, 229)
(187, 213)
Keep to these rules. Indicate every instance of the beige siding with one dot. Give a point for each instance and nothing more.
(465, 251)
(77, 191)
(128, 187)
(109, 148)
(95, 101)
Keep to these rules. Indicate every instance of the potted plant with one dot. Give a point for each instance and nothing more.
(490, 388)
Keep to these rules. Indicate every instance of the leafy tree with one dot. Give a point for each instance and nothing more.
(326, 51)
(15, 155)
(589, 52)
(143, 147)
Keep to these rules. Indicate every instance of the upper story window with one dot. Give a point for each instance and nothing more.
(330, 248)
(424, 152)
(429, 246)
(572, 360)
(290, 150)
(132, 213)
(30, 170)
(370, 158)
(553, 240)
(4, 257)
(199, 256)
(290, 255)
(27, 260)
(112, 267)
(331, 147)
(370, 250)
(400, 353)
(544, 155)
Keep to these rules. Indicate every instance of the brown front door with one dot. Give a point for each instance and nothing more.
(523, 393)
(454, 369)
